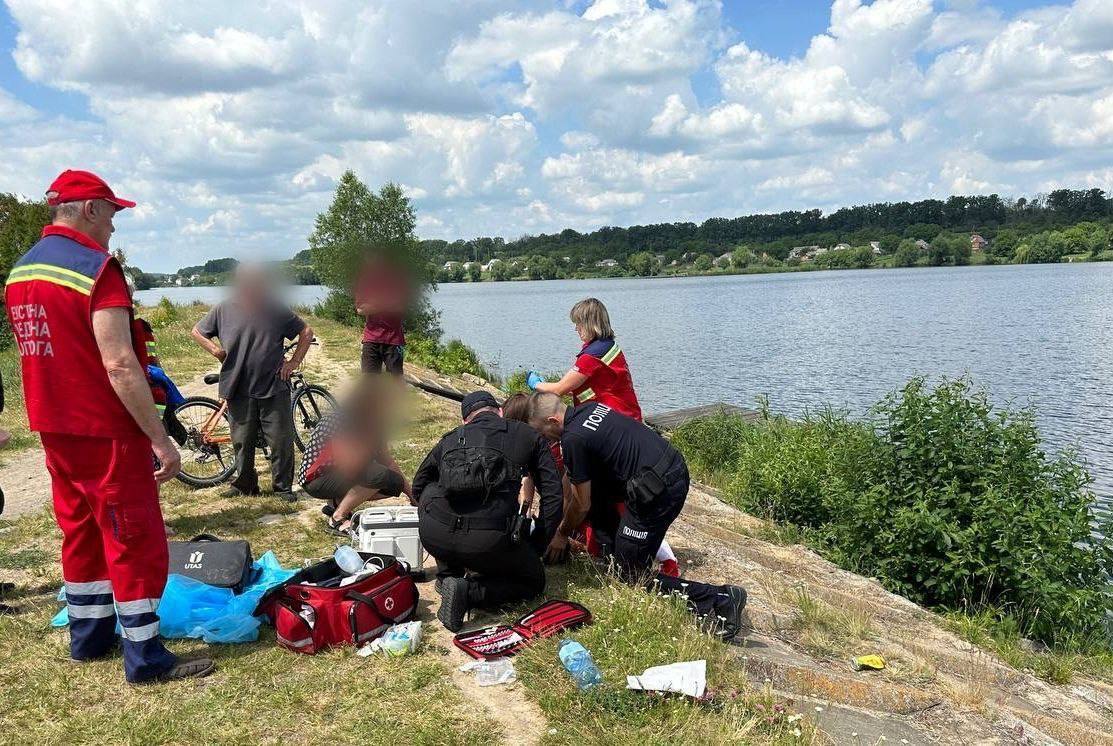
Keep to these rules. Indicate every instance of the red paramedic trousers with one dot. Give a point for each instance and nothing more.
(114, 552)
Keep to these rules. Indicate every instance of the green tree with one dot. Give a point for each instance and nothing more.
(541, 268)
(501, 271)
(1041, 248)
(358, 221)
(1005, 243)
(642, 263)
(742, 257)
(907, 254)
(21, 223)
(703, 263)
(475, 273)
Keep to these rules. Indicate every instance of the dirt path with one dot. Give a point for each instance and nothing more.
(26, 481)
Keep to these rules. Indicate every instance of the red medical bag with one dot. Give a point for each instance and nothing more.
(310, 612)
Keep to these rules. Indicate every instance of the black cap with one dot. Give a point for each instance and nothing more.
(477, 400)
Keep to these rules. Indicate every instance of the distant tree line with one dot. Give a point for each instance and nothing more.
(776, 234)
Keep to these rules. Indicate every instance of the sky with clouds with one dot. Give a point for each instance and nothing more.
(230, 122)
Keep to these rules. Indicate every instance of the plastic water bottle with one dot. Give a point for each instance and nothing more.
(579, 663)
(348, 559)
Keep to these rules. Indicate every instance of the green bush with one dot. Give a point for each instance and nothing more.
(339, 306)
(516, 381)
(163, 314)
(944, 498)
(451, 359)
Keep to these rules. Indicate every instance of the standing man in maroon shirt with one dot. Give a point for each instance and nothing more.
(382, 295)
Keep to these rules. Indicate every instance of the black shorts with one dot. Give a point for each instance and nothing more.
(377, 357)
(333, 486)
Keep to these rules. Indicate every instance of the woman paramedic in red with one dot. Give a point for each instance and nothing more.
(600, 372)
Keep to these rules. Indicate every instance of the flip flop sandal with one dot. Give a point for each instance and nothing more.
(334, 526)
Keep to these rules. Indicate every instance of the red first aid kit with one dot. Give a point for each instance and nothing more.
(504, 640)
(311, 611)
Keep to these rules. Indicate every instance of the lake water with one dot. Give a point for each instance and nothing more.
(1039, 334)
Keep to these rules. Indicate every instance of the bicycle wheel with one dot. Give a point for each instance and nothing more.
(310, 404)
(208, 458)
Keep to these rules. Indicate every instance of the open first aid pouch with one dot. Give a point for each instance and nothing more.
(548, 619)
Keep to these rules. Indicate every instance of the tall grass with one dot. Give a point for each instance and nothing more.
(944, 498)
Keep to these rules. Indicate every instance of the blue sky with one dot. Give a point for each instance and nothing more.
(503, 117)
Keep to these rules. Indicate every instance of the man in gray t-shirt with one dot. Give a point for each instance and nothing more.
(252, 327)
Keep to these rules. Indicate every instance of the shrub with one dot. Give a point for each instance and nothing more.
(339, 306)
(938, 494)
(516, 381)
(451, 359)
(163, 314)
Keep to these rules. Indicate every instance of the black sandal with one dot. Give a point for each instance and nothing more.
(334, 524)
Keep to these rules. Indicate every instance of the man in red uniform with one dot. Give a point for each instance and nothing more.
(88, 398)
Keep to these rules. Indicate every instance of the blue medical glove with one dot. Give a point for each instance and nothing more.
(533, 378)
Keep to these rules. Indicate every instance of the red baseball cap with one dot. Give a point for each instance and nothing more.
(74, 186)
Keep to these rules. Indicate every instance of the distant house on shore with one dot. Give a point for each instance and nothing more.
(469, 265)
(875, 247)
(977, 243)
(922, 245)
(451, 265)
(841, 247)
(723, 260)
(660, 258)
(490, 265)
(606, 263)
(803, 253)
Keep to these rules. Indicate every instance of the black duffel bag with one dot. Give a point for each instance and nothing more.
(224, 564)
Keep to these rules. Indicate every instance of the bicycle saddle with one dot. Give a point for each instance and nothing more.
(212, 378)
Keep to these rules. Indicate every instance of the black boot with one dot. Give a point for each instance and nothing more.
(186, 668)
(455, 602)
(729, 609)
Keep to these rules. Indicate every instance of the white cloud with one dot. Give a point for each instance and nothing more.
(231, 125)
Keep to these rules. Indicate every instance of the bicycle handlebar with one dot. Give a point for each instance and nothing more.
(294, 344)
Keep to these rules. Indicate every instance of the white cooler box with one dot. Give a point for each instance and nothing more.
(391, 529)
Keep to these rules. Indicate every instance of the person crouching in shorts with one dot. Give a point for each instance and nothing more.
(347, 460)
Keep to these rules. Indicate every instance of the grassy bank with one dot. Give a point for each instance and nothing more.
(943, 498)
(263, 694)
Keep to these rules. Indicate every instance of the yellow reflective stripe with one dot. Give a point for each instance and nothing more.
(611, 354)
(47, 278)
(585, 395)
(55, 268)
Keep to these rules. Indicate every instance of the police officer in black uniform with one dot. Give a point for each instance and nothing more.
(613, 458)
(467, 488)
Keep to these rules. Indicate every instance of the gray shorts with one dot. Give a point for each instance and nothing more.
(333, 486)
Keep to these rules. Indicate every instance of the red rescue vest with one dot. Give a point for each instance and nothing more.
(608, 378)
(49, 301)
(143, 339)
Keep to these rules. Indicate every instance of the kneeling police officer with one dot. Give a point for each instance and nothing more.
(613, 458)
(467, 490)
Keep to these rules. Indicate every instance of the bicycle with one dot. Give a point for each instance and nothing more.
(208, 458)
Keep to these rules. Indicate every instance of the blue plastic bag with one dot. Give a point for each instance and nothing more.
(190, 608)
